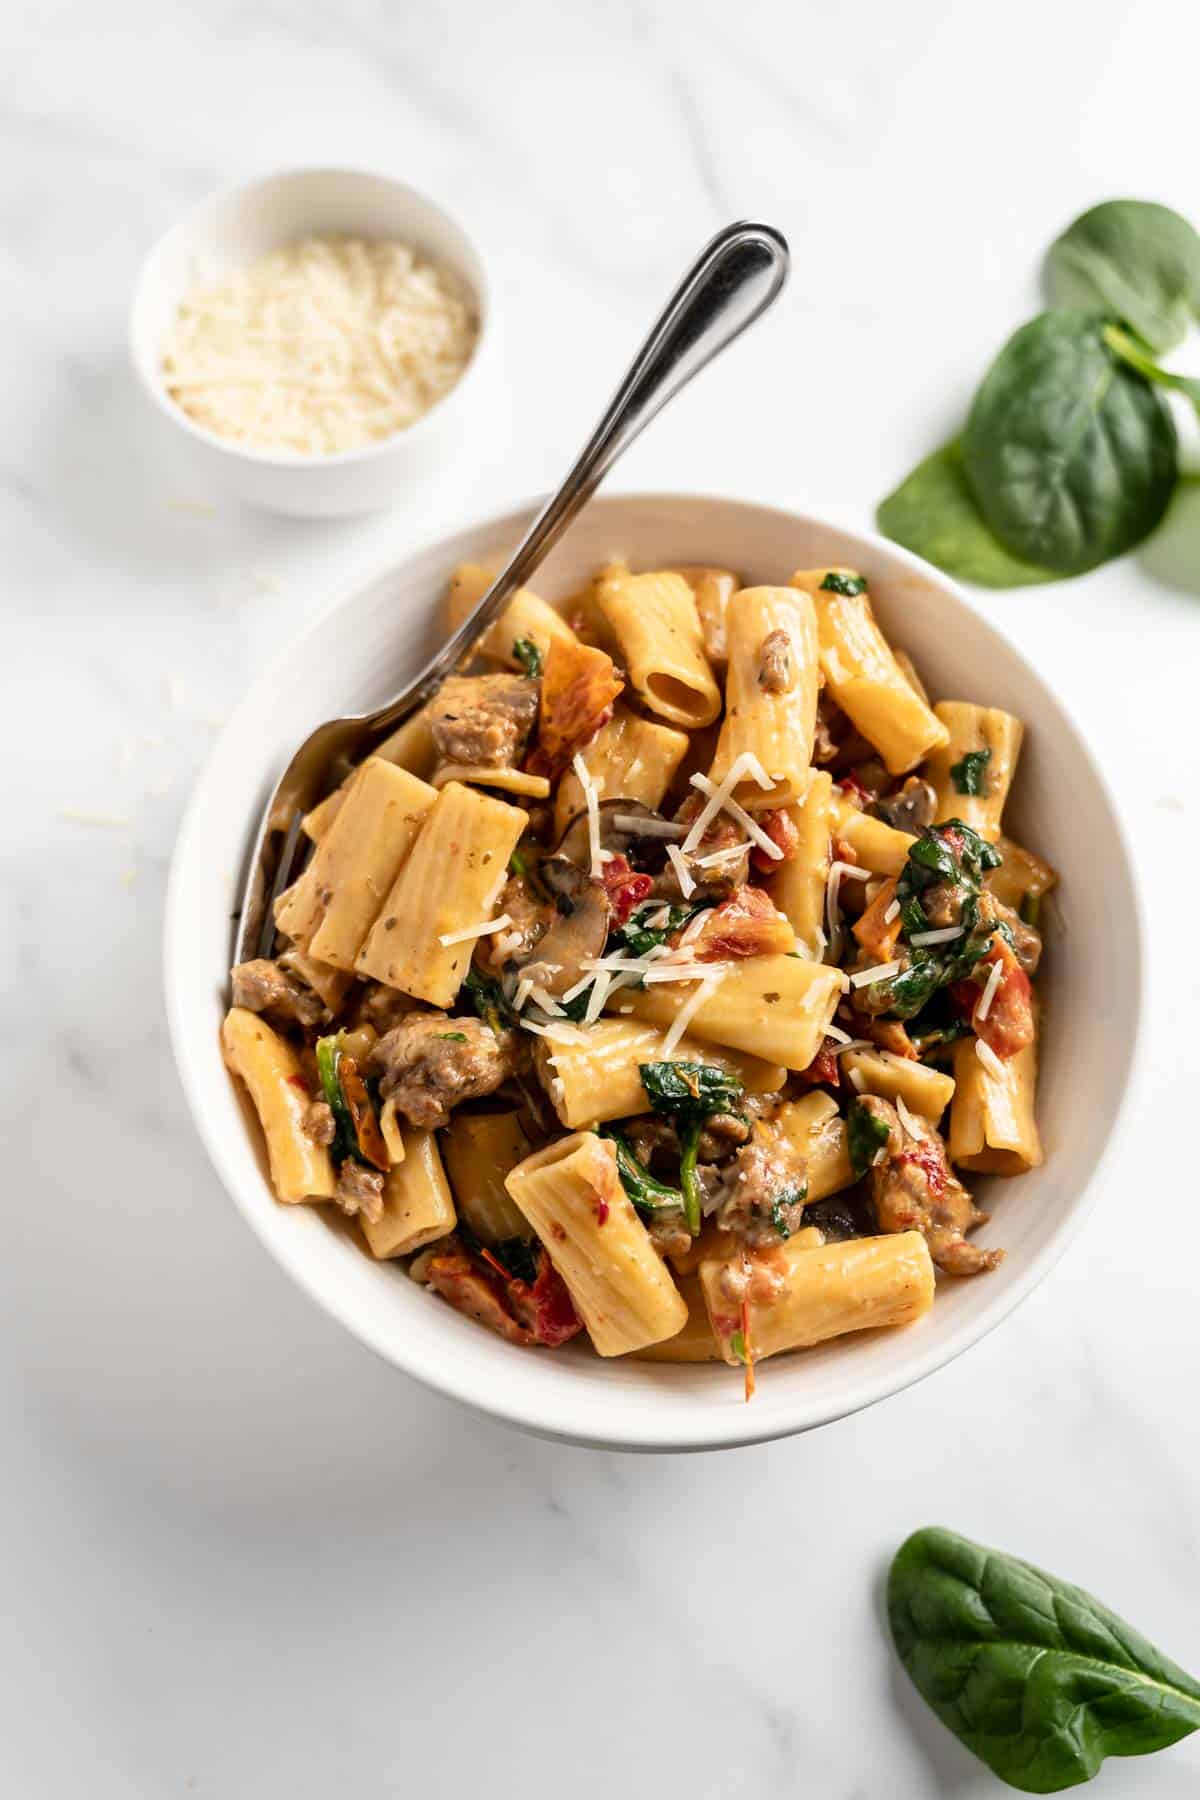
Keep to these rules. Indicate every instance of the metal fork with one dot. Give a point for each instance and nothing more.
(733, 280)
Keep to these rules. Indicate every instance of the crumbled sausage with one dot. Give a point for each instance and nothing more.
(914, 1189)
(360, 1190)
(775, 663)
(483, 720)
(318, 1123)
(262, 986)
(430, 1063)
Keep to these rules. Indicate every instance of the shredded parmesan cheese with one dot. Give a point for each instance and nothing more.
(995, 977)
(880, 972)
(856, 1080)
(591, 799)
(717, 858)
(989, 1059)
(906, 1119)
(323, 346)
(945, 936)
(484, 929)
(688, 1010)
(687, 884)
(837, 1034)
(721, 799)
(892, 912)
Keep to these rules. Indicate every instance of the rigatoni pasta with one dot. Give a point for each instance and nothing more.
(770, 694)
(654, 620)
(697, 1052)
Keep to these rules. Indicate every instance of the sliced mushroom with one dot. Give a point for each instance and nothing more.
(913, 807)
(577, 931)
(644, 850)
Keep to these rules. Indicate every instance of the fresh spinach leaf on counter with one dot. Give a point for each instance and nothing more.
(1134, 260)
(970, 775)
(1069, 457)
(1138, 357)
(934, 514)
(1070, 453)
(846, 585)
(1034, 1676)
(865, 1138)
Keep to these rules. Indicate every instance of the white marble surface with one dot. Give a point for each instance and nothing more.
(241, 1557)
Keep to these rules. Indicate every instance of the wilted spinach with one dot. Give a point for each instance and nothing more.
(970, 775)
(643, 1188)
(866, 1136)
(1070, 453)
(1034, 1676)
(689, 1092)
(1134, 260)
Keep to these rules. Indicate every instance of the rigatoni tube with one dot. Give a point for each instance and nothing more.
(572, 1196)
(798, 1296)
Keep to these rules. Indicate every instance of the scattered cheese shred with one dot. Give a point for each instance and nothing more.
(325, 345)
(687, 884)
(879, 972)
(906, 1119)
(995, 977)
(591, 798)
(892, 912)
(945, 936)
(688, 1011)
(724, 802)
(989, 1059)
(485, 928)
(745, 764)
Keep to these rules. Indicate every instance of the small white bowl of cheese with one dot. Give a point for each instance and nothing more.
(315, 338)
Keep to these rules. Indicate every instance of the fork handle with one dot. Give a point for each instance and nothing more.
(733, 280)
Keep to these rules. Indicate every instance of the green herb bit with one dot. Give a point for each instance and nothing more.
(329, 1057)
(970, 775)
(452, 1037)
(529, 657)
(866, 1136)
(737, 1344)
(645, 1190)
(519, 864)
(789, 1197)
(1035, 1676)
(520, 1257)
(1031, 909)
(846, 585)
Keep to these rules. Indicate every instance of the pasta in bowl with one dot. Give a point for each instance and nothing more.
(664, 993)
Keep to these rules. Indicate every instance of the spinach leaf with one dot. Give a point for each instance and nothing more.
(1070, 453)
(1138, 357)
(689, 1090)
(1132, 259)
(865, 1137)
(970, 775)
(846, 585)
(1034, 1676)
(520, 1257)
(644, 1189)
(934, 514)
(487, 997)
(640, 939)
(529, 656)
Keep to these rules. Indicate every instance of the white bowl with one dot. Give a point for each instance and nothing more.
(232, 229)
(357, 656)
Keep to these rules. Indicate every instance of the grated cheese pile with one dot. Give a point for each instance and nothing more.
(323, 346)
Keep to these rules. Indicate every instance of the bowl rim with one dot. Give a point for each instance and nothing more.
(709, 1430)
(479, 285)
